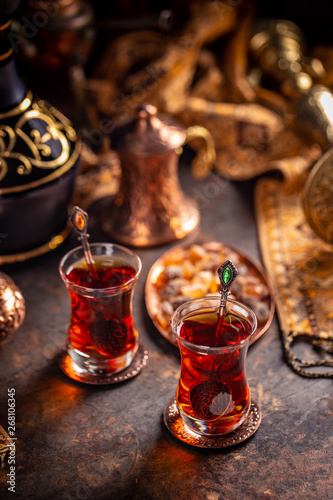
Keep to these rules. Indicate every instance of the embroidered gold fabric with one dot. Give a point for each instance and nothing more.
(300, 267)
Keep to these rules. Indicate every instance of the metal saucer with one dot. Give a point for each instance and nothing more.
(139, 361)
(179, 429)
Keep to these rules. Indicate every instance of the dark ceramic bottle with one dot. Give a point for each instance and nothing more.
(39, 156)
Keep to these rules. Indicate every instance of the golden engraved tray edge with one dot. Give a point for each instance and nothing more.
(287, 321)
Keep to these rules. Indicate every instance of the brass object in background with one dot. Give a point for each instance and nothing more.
(318, 197)
(183, 77)
(150, 207)
(250, 139)
(166, 79)
(12, 306)
(277, 45)
(314, 115)
(279, 50)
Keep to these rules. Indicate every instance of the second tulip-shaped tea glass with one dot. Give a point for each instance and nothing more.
(213, 394)
(102, 338)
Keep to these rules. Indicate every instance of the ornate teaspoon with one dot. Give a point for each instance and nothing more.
(211, 399)
(79, 220)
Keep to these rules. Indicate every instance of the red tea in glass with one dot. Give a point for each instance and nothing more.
(213, 394)
(102, 336)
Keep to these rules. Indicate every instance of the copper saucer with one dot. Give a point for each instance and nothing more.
(139, 361)
(179, 429)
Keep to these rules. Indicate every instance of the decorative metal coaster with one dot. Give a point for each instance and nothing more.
(139, 361)
(179, 429)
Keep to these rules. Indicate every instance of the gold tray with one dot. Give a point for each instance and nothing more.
(194, 262)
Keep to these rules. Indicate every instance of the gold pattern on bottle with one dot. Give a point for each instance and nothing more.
(20, 108)
(57, 127)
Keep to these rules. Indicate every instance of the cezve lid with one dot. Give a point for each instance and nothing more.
(146, 133)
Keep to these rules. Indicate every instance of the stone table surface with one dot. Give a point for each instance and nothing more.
(76, 441)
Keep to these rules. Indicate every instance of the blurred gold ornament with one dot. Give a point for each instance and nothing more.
(318, 197)
(12, 306)
(279, 49)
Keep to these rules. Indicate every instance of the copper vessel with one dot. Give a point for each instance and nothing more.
(150, 207)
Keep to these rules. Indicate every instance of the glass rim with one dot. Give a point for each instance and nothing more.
(109, 288)
(209, 349)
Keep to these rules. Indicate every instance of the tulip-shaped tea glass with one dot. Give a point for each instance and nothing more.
(102, 338)
(213, 394)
